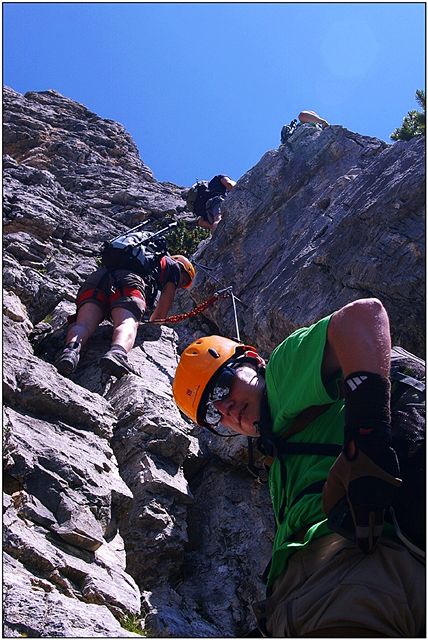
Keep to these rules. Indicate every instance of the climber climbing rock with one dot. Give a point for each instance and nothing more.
(337, 569)
(304, 117)
(204, 199)
(120, 290)
(310, 117)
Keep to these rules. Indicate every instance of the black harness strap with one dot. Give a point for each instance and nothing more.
(309, 448)
(315, 487)
(273, 444)
(101, 283)
(301, 421)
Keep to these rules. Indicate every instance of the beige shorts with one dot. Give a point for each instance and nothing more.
(332, 587)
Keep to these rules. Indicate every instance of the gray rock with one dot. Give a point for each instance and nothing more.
(168, 615)
(230, 538)
(329, 217)
(115, 507)
(97, 578)
(33, 607)
(36, 386)
(71, 473)
(151, 443)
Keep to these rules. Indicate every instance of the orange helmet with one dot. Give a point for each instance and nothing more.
(188, 268)
(200, 364)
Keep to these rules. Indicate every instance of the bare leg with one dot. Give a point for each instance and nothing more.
(215, 224)
(88, 318)
(125, 328)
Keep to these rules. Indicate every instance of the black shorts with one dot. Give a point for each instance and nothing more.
(112, 288)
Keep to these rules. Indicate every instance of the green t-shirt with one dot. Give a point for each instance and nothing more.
(293, 383)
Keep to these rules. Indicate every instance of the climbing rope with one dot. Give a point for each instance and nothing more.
(224, 293)
(234, 298)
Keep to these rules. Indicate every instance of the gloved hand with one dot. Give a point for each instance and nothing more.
(368, 480)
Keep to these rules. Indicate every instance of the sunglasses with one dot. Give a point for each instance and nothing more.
(220, 391)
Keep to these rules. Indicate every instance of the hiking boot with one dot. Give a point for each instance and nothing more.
(67, 361)
(116, 364)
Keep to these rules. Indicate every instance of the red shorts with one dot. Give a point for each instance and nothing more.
(111, 288)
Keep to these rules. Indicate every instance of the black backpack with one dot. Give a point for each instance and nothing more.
(198, 194)
(138, 251)
(408, 439)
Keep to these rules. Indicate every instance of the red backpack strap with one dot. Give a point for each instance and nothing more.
(163, 268)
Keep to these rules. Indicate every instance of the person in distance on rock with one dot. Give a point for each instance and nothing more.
(121, 295)
(205, 200)
(337, 569)
(310, 117)
(305, 117)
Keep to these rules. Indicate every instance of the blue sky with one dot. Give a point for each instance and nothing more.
(204, 88)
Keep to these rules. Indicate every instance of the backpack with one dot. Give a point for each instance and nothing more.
(408, 439)
(197, 192)
(138, 251)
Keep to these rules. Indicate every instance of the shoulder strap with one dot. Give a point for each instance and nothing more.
(309, 448)
(304, 418)
(162, 270)
(314, 488)
(272, 444)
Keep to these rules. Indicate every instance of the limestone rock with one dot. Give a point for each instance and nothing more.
(151, 443)
(115, 507)
(35, 608)
(329, 217)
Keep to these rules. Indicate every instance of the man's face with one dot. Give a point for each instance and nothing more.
(241, 407)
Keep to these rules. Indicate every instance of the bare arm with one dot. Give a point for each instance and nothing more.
(366, 475)
(165, 301)
(228, 183)
(358, 339)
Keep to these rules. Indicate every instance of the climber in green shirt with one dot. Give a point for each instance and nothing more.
(326, 387)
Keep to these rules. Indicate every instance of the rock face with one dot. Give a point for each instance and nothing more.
(329, 217)
(116, 510)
